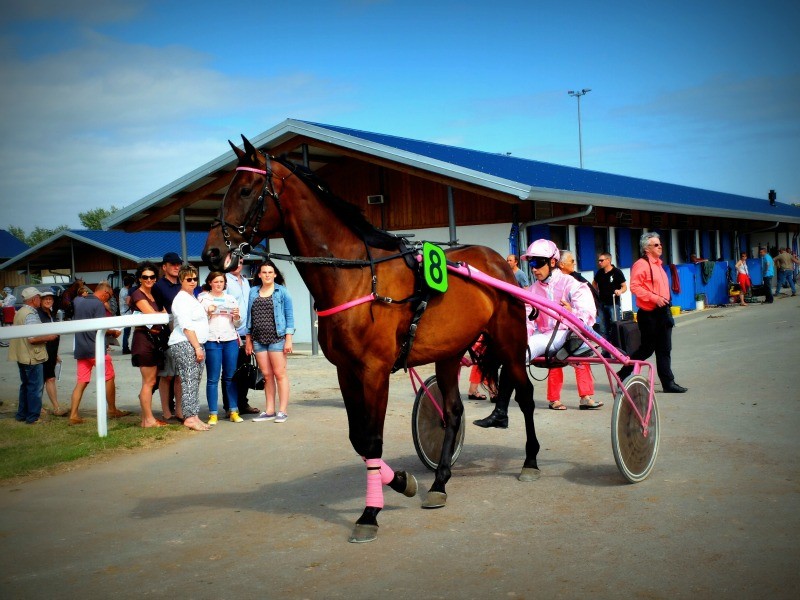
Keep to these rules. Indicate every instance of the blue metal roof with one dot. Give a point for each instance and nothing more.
(542, 177)
(143, 245)
(10, 245)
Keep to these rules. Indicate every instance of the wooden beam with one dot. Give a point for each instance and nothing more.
(289, 145)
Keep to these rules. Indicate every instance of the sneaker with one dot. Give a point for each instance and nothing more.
(235, 418)
(281, 417)
(264, 417)
(212, 420)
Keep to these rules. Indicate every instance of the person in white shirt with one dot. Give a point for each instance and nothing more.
(189, 333)
(743, 278)
(222, 347)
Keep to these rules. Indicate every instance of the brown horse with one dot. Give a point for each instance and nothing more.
(341, 257)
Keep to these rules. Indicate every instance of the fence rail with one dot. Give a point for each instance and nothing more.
(100, 326)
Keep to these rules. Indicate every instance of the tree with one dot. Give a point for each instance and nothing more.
(92, 219)
(37, 236)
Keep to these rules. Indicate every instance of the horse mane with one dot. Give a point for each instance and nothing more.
(349, 213)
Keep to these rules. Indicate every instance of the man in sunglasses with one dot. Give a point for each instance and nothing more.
(546, 334)
(650, 285)
(164, 292)
(610, 284)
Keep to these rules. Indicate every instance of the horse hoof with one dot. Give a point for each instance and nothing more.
(529, 474)
(363, 533)
(435, 500)
(411, 485)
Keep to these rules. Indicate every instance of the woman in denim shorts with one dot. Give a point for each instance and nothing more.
(270, 327)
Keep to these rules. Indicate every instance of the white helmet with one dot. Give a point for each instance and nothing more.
(543, 248)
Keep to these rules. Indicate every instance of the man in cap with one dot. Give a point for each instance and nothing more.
(9, 299)
(546, 334)
(164, 292)
(30, 355)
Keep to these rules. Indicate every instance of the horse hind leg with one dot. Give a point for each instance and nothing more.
(447, 376)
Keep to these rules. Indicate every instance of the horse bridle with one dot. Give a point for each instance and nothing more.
(255, 214)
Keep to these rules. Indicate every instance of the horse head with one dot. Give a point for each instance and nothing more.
(250, 210)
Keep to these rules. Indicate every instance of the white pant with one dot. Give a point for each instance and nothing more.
(537, 343)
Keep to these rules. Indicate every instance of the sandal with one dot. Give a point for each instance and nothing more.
(477, 396)
(589, 403)
(556, 405)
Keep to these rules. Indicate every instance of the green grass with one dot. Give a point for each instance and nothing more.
(35, 449)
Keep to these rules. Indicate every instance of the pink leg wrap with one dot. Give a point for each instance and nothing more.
(377, 471)
(374, 483)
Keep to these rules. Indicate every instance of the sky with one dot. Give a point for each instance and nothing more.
(105, 101)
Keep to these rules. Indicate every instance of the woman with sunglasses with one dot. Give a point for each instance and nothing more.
(222, 347)
(145, 352)
(189, 333)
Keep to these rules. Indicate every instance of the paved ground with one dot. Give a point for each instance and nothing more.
(266, 509)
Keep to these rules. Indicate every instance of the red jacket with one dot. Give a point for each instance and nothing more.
(649, 282)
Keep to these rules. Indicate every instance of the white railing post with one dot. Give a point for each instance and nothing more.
(100, 371)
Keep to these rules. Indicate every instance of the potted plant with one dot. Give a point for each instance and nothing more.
(699, 301)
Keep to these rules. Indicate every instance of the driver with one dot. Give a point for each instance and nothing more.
(550, 283)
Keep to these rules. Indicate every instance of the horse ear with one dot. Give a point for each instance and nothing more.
(250, 150)
(239, 153)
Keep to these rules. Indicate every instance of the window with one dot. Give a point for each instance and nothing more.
(635, 249)
(685, 246)
(559, 235)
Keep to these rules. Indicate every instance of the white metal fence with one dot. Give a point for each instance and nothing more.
(98, 325)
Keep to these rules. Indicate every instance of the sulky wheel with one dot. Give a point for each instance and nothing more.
(634, 452)
(427, 427)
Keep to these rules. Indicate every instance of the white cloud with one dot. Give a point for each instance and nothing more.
(107, 123)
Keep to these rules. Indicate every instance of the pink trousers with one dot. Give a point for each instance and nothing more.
(583, 375)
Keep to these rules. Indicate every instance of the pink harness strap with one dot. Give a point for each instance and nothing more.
(332, 311)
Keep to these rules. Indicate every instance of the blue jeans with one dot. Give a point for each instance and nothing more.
(30, 392)
(785, 276)
(221, 357)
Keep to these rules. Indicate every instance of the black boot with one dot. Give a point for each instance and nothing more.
(673, 388)
(498, 418)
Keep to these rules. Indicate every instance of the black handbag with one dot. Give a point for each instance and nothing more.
(251, 374)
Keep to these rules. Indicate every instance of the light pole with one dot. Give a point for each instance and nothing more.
(578, 95)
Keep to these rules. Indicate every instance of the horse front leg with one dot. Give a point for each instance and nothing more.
(447, 378)
(366, 413)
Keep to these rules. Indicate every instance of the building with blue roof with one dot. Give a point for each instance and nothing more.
(95, 255)
(447, 194)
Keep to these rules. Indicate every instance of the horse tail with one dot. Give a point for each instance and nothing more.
(484, 356)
